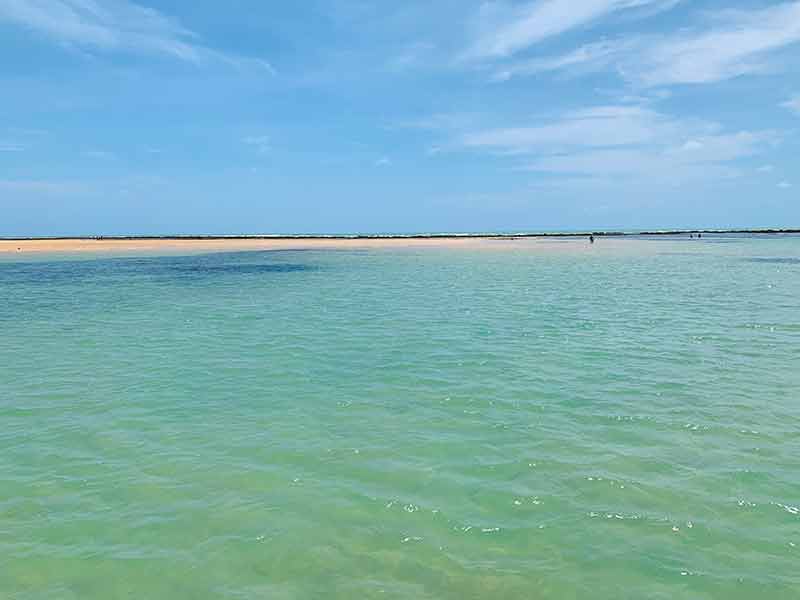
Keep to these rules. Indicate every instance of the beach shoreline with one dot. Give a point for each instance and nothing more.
(192, 243)
(224, 244)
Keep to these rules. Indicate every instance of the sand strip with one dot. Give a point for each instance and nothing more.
(179, 245)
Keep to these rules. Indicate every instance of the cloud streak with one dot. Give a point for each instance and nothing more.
(114, 25)
(732, 44)
(633, 142)
(793, 104)
(508, 29)
(604, 126)
(740, 44)
(701, 158)
(589, 57)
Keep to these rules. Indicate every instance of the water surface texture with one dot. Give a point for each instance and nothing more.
(611, 422)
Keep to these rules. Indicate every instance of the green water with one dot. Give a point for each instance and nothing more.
(611, 422)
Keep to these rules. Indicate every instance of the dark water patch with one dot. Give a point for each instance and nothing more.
(776, 260)
(241, 269)
(235, 264)
(117, 269)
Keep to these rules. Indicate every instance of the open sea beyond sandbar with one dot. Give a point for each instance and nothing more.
(617, 421)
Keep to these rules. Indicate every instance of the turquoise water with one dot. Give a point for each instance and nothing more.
(611, 422)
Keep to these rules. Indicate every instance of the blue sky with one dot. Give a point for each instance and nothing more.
(167, 116)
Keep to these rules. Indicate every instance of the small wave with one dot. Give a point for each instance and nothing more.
(777, 260)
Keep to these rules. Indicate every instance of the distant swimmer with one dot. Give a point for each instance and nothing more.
(591, 238)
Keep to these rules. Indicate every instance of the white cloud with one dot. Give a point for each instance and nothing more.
(605, 126)
(591, 56)
(113, 25)
(510, 28)
(784, 185)
(733, 43)
(721, 147)
(739, 44)
(624, 166)
(617, 142)
(705, 159)
(383, 162)
(793, 104)
(765, 169)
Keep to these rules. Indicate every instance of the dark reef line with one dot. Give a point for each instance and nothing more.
(671, 232)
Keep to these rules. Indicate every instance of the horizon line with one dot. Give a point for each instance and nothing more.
(390, 236)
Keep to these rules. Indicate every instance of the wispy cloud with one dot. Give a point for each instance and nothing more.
(632, 142)
(784, 185)
(114, 25)
(651, 165)
(731, 43)
(705, 158)
(604, 126)
(383, 161)
(793, 104)
(509, 28)
(592, 56)
(740, 43)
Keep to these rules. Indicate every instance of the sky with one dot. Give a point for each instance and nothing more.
(357, 116)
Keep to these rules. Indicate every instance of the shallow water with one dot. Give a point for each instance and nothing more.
(608, 422)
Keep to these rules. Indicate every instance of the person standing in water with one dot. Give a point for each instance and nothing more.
(591, 238)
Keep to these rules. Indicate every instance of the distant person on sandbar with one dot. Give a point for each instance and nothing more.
(591, 238)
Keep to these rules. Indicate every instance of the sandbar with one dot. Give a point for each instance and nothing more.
(213, 244)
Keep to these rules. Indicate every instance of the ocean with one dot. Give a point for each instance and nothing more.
(609, 421)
